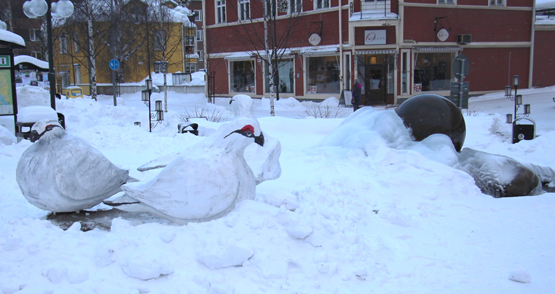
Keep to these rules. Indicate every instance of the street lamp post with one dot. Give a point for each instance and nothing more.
(49, 9)
(514, 117)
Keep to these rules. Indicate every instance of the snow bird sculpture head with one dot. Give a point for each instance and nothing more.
(42, 127)
(248, 131)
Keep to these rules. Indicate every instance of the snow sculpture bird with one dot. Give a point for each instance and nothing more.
(63, 173)
(263, 158)
(201, 184)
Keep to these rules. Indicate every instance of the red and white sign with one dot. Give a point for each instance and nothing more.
(374, 37)
(417, 88)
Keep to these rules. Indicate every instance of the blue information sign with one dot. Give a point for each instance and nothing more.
(114, 64)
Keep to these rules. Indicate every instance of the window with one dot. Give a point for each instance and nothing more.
(34, 35)
(75, 42)
(432, 72)
(63, 44)
(77, 72)
(199, 35)
(269, 8)
(198, 15)
(319, 4)
(220, 11)
(497, 2)
(36, 54)
(200, 55)
(190, 67)
(242, 76)
(244, 10)
(445, 1)
(285, 78)
(159, 40)
(295, 6)
(405, 73)
(322, 75)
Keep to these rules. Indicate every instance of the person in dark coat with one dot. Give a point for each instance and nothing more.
(356, 95)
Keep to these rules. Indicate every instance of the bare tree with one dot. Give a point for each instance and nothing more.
(170, 30)
(270, 43)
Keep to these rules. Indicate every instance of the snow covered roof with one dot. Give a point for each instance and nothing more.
(545, 19)
(372, 15)
(318, 50)
(9, 38)
(29, 59)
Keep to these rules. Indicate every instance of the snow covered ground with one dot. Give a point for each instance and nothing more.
(380, 218)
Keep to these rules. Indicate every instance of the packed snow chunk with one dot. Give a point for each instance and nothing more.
(521, 276)
(147, 266)
(331, 102)
(298, 230)
(56, 273)
(282, 198)
(32, 96)
(230, 256)
(368, 125)
(6, 137)
(77, 275)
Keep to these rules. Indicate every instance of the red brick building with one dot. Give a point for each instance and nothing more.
(397, 49)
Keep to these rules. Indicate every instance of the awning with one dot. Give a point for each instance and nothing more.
(321, 51)
(436, 49)
(375, 52)
(238, 56)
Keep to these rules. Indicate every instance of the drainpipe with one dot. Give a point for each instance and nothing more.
(204, 46)
(531, 74)
(341, 66)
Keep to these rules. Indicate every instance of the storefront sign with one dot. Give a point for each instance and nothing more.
(442, 35)
(314, 39)
(374, 37)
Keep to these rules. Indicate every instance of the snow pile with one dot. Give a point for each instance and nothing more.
(358, 206)
(32, 96)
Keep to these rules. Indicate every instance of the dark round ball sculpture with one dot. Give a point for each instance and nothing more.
(428, 114)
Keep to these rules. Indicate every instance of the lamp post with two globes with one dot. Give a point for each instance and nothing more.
(49, 9)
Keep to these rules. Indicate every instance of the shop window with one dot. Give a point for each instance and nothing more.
(242, 76)
(286, 77)
(322, 75)
(432, 72)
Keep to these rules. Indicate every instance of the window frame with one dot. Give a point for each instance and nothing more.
(447, 2)
(198, 14)
(63, 43)
(220, 16)
(159, 40)
(498, 3)
(33, 36)
(244, 11)
(324, 3)
(295, 3)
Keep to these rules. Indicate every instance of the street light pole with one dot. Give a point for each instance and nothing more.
(50, 42)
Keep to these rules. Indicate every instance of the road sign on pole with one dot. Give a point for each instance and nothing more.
(114, 64)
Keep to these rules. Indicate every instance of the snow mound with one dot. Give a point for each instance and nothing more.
(227, 257)
(6, 137)
(32, 96)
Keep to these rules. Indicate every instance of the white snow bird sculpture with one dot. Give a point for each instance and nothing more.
(263, 158)
(63, 173)
(203, 183)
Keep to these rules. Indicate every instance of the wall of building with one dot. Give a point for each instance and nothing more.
(544, 59)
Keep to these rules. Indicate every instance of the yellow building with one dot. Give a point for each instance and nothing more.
(139, 36)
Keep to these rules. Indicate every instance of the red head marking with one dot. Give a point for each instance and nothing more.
(248, 128)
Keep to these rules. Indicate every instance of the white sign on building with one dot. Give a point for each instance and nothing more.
(374, 37)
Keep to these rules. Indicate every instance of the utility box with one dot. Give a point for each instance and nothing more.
(523, 132)
(73, 92)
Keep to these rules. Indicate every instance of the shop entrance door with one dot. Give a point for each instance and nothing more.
(375, 85)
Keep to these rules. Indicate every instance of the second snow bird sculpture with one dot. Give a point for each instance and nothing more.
(201, 184)
(63, 173)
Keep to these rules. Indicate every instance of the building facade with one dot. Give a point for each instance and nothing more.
(396, 49)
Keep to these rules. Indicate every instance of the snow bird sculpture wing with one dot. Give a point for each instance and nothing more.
(199, 185)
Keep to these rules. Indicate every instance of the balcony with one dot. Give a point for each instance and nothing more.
(372, 9)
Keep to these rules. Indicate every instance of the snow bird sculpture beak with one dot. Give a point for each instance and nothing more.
(248, 131)
(35, 135)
